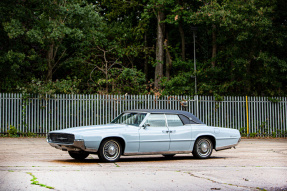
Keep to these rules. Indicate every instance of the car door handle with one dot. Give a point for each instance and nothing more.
(165, 131)
(172, 131)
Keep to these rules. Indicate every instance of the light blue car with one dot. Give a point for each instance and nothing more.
(145, 132)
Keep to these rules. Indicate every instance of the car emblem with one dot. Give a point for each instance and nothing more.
(62, 138)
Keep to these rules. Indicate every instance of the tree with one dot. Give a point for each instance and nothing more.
(52, 29)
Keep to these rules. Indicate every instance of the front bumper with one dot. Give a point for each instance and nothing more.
(78, 145)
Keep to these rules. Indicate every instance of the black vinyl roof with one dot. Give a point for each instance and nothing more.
(192, 118)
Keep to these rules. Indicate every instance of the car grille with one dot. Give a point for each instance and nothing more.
(62, 138)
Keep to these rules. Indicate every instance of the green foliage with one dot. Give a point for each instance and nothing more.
(262, 131)
(102, 42)
(218, 97)
(243, 130)
(28, 134)
(253, 134)
(180, 84)
(132, 78)
(47, 35)
(12, 132)
(274, 100)
(69, 86)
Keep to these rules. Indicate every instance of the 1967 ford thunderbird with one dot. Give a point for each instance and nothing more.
(145, 132)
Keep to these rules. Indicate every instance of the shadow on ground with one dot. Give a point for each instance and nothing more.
(134, 159)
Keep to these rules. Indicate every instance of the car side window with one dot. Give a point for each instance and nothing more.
(156, 120)
(185, 120)
(173, 121)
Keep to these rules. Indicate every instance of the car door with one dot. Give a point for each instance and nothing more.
(154, 137)
(180, 135)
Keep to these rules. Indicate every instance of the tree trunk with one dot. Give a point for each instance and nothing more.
(146, 60)
(213, 46)
(168, 59)
(182, 41)
(232, 73)
(50, 62)
(159, 49)
(247, 86)
(107, 77)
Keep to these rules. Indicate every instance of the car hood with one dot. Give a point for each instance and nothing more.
(93, 128)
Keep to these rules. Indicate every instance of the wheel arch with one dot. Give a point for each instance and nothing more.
(211, 137)
(120, 139)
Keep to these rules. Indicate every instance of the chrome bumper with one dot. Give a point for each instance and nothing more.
(78, 145)
(228, 146)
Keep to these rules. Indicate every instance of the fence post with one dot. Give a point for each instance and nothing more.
(197, 108)
(247, 118)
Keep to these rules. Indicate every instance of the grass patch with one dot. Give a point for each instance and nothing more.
(37, 182)
(261, 189)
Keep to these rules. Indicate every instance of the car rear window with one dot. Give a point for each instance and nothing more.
(173, 121)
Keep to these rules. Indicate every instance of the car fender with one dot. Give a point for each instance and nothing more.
(113, 136)
(213, 139)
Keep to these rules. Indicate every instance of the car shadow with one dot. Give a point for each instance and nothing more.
(135, 159)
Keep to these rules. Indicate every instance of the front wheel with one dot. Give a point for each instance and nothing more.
(110, 150)
(80, 155)
(202, 148)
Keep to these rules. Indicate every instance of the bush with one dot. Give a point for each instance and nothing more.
(12, 132)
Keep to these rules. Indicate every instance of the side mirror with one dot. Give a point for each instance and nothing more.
(145, 125)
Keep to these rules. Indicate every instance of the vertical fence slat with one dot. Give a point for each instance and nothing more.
(6, 116)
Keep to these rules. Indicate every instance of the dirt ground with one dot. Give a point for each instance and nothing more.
(256, 164)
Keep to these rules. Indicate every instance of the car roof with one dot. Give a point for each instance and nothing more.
(185, 113)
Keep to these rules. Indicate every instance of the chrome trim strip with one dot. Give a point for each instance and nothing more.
(223, 138)
(157, 141)
(76, 146)
(190, 124)
(160, 152)
(225, 147)
(91, 150)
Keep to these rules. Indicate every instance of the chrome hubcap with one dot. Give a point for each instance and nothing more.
(203, 147)
(111, 150)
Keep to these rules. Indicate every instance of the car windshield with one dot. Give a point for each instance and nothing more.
(130, 118)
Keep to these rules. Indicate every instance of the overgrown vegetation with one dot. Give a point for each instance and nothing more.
(144, 47)
(13, 132)
(263, 132)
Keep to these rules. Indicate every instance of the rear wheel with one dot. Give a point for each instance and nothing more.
(202, 148)
(110, 150)
(80, 155)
